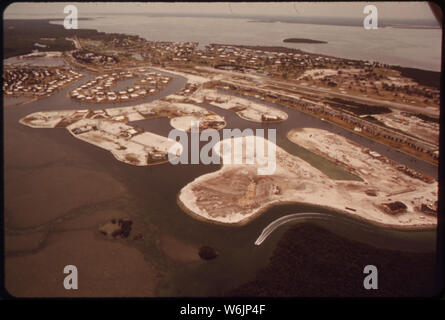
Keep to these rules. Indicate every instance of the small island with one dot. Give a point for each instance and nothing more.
(300, 40)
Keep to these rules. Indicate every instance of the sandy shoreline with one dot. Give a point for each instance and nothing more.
(214, 198)
(260, 211)
(108, 128)
(120, 268)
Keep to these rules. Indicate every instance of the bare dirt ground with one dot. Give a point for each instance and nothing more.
(110, 132)
(244, 108)
(236, 193)
(427, 131)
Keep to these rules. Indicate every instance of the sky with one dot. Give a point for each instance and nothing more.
(400, 10)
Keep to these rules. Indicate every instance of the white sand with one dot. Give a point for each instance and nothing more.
(113, 134)
(318, 73)
(191, 78)
(427, 131)
(301, 183)
(183, 123)
(252, 111)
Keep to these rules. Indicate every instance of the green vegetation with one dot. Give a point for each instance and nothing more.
(357, 108)
(310, 261)
(424, 117)
(422, 77)
(19, 36)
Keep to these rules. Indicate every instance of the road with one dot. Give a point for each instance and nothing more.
(329, 93)
(420, 141)
(389, 104)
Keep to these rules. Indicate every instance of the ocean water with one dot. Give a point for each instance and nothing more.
(408, 47)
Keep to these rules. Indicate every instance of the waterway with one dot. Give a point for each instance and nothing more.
(155, 188)
(415, 48)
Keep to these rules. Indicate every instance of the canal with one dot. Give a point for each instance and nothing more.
(154, 190)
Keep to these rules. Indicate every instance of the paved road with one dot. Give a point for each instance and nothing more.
(376, 126)
(389, 104)
(326, 92)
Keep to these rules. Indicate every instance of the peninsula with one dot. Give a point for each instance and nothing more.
(302, 40)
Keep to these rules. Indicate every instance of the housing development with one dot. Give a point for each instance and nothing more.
(288, 152)
(369, 98)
